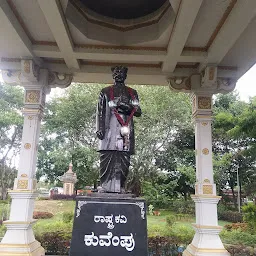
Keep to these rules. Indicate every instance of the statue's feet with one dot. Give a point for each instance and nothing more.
(123, 191)
(101, 189)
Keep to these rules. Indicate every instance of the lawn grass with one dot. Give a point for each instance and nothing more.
(156, 224)
(55, 207)
(161, 220)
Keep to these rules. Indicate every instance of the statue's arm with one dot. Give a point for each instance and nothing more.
(138, 109)
(100, 116)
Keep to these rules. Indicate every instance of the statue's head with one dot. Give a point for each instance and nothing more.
(119, 73)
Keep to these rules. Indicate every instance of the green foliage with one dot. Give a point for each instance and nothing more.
(11, 102)
(249, 212)
(164, 246)
(230, 216)
(69, 134)
(170, 220)
(150, 209)
(156, 230)
(181, 233)
(238, 237)
(4, 210)
(55, 243)
(2, 230)
(183, 207)
(46, 226)
(236, 226)
(232, 146)
(155, 195)
(42, 215)
(240, 250)
(67, 217)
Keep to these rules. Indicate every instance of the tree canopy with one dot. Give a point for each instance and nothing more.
(164, 163)
(11, 102)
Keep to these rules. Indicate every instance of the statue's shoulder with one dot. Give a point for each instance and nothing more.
(133, 91)
(106, 90)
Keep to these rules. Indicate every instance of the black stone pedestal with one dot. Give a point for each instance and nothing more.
(109, 226)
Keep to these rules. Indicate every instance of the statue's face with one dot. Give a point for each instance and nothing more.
(119, 74)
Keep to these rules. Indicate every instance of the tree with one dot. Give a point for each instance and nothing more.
(11, 102)
(230, 146)
(68, 133)
(163, 113)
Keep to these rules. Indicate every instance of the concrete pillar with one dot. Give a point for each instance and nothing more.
(206, 240)
(19, 238)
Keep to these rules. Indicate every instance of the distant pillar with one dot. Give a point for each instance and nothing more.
(202, 86)
(69, 179)
(19, 238)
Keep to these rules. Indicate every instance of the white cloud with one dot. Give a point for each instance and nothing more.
(246, 85)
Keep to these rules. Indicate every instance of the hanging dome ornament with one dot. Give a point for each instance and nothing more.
(125, 130)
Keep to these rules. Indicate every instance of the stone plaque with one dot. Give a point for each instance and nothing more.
(109, 227)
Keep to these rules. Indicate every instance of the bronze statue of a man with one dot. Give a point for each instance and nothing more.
(115, 129)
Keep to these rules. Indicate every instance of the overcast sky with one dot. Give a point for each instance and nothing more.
(246, 85)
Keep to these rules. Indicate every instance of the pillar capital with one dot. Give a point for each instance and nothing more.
(32, 76)
(201, 107)
(207, 82)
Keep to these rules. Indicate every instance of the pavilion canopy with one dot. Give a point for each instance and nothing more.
(155, 39)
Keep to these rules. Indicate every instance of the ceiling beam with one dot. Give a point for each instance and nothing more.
(54, 15)
(185, 19)
(117, 55)
(175, 5)
(237, 21)
(16, 27)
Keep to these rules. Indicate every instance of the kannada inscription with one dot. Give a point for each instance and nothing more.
(109, 227)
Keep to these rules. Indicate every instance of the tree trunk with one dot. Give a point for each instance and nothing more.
(234, 198)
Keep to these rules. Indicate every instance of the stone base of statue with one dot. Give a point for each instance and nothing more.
(109, 225)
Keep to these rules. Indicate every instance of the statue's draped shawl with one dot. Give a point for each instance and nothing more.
(107, 122)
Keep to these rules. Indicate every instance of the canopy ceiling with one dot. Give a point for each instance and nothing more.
(131, 9)
(155, 39)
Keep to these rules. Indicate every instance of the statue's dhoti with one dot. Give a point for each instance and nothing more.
(114, 168)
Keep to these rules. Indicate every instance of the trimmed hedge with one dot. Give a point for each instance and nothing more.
(63, 197)
(55, 243)
(42, 215)
(230, 216)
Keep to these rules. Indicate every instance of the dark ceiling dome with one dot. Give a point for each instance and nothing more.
(123, 9)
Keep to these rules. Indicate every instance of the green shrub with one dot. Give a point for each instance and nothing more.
(249, 211)
(67, 217)
(183, 207)
(162, 246)
(230, 216)
(150, 209)
(2, 230)
(183, 217)
(170, 220)
(44, 226)
(235, 226)
(238, 237)
(181, 233)
(156, 230)
(42, 215)
(55, 243)
(4, 210)
(240, 250)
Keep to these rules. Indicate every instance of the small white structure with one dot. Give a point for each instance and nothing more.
(69, 180)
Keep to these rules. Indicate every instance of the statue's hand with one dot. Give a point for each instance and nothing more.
(125, 106)
(100, 135)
